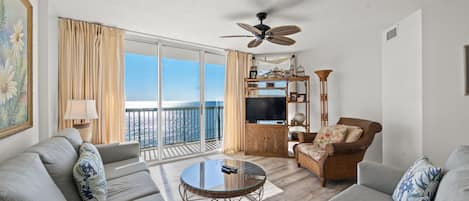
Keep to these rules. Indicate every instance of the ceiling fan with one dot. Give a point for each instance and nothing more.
(262, 31)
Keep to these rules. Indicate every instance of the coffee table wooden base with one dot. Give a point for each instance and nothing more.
(189, 194)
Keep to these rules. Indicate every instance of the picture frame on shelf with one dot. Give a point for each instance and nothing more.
(270, 85)
(253, 74)
(293, 96)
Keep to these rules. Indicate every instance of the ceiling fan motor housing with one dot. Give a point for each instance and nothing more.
(262, 27)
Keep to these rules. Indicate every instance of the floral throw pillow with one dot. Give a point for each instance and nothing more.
(89, 175)
(328, 135)
(420, 182)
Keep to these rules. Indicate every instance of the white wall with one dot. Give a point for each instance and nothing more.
(446, 109)
(14, 144)
(402, 92)
(355, 84)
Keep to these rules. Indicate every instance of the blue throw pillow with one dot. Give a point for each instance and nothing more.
(89, 175)
(419, 183)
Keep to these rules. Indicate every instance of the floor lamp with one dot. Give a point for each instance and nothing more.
(323, 74)
(83, 110)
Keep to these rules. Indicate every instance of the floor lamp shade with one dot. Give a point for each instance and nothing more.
(82, 110)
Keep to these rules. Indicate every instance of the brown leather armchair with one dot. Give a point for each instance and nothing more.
(341, 159)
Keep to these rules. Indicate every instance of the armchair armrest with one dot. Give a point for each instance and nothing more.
(344, 148)
(118, 151)
(379, 177)
(306, 137)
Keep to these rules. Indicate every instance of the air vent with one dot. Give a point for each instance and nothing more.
(391, 33)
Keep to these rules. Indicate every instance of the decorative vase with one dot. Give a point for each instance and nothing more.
(299, 118)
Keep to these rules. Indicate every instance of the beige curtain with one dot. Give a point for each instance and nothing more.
(91, 67)
(237, 66)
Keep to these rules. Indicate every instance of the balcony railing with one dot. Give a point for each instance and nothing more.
(180, 125)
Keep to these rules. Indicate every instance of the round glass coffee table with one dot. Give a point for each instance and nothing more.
(206, 180)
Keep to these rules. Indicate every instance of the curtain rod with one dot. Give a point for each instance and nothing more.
(154, 36)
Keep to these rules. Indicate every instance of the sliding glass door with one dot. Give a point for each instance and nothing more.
(214, 93)
(181, 101)
(141, 94)
(174, 99)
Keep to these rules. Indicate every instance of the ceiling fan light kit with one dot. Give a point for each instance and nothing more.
(262, 31)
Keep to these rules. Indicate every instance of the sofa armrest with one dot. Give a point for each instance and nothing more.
(379, 177)
(344, 148)
(306, 137)
(118, 151)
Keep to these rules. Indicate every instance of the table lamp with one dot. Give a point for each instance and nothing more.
(83, 110)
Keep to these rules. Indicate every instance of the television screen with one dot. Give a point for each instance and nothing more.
(265, 108)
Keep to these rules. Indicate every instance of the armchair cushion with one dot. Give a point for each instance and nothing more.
(311, 150)
(353, 133)
(328, 135)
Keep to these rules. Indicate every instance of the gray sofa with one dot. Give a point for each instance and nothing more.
(376, 182)
(44, 172)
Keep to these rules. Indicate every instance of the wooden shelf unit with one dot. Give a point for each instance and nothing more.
(272, 140)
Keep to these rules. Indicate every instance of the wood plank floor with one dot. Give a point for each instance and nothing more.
(298, 184)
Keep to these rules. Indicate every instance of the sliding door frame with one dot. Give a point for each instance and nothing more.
(202, 52)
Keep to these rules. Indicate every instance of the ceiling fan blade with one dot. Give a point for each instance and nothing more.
(250, 28)
(283, 30)
(237, 36)
(281, 40)
(254, 43)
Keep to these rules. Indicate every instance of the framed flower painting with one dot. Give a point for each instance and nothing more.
(15, 66)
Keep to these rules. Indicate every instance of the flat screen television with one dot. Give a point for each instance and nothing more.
(265, 108)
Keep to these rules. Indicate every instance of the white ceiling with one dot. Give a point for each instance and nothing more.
(203, 21)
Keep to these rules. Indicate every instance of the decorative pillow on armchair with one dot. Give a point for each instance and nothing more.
(420, 182)
(328, 135)
(353, 133)
(89, 175)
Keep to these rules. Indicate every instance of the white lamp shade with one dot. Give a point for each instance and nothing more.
(81, 109)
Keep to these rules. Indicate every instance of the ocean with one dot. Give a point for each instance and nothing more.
(180, 122)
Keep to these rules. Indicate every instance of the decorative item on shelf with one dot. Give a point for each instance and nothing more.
(83, 110)
(323, 74)
(16, 68)
(270, 85)
(301, 98)
(253, 69)
(252, 74)
(293, 96)
(276, 73)
(287, 73)
(300, 71)
(299, 119)
(293, 65)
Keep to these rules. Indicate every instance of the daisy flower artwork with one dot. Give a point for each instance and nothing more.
(15, 66)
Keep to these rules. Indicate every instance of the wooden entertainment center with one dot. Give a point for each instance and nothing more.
(271, 139)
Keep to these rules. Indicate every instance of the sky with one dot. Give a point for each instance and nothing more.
(180, 79)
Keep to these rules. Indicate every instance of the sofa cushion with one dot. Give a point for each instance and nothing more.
(59, 157)
(131, 187)
(123, 168)
(454, 186)
(24, 178)
(458, 158)
(419, 182)
(361, 193)
(72, 135)
(89, 175)
(328, 135)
